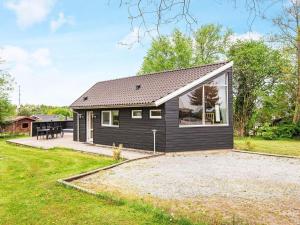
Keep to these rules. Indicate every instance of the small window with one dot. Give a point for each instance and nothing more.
(25, 125)
(106, 118)
(155, 114)
(110, 118)
(115, 118)
(136, 114)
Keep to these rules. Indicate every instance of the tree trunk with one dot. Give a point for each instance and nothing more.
(297, 108)
(240, 128)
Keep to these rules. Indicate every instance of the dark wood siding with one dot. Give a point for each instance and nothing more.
(132, 133)
(82, 125)
(74, 126)
(197, 138)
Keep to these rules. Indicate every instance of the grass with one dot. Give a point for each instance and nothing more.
(289, 147)
(29, 193)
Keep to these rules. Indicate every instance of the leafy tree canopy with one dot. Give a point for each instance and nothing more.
(6, 86)
(206, 45)
(258, 72)
(29, 110)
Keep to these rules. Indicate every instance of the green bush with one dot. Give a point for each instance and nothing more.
(286, 131)
(281, 131)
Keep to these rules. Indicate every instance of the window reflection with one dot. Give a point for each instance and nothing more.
(205, 105)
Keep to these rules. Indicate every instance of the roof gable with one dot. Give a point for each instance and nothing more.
(153, 89)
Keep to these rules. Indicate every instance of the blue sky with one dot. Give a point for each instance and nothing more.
(56, 49)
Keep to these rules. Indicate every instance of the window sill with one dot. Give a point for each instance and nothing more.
(156, 117)
(103, 125)
(189, 126)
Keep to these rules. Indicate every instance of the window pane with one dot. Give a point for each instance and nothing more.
(137, 113)
(156, 113)
(105, 118)
(219, 81)
(191, 108)
(115, 117)
(193, 111)
(215, 105)
(24, 125)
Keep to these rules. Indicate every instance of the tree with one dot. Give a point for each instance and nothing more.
(211, 43)
(6, 86)
(63, 111)
(277, 103)
(168, 53)
(257, 67)
(29, 110)
(289, 24)
(207, 45)
(211, 96)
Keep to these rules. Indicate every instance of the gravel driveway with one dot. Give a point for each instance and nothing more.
(268, 186)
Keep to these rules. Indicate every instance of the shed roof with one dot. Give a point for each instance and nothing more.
(18, 118)
(145, 90)
(49, 118)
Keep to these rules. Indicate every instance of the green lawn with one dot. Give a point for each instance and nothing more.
(29, 193)
(281, 147)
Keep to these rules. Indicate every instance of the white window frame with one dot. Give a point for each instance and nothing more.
(136, 117)
(155, 117)
(110, 118)
(227, 98)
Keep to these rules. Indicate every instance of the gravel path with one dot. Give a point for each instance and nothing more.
(261, 180)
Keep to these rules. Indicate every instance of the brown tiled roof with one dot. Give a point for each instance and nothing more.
(124, 91)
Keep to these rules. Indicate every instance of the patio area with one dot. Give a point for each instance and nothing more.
(67, 142)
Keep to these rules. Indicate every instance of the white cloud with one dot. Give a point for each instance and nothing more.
(22, 64)
(130, 39)
(14, 55)
(247, 36)
(29, 12)
(42, 56)
(60, 21)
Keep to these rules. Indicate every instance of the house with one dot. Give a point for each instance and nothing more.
(190, 109)
(19, 124)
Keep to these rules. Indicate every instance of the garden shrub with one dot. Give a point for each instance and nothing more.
(286, 131)
(281, 131)
(117, 152)
(268, 132)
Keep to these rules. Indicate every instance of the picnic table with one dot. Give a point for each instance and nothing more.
(49, 132)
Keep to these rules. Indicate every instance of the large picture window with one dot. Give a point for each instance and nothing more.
(205, 105)
(110, 118)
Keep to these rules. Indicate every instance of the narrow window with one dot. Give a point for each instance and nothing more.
(25, 125)
(110, 118)
(155, 114)
(115, 118)
(105, 118)
(136, 114)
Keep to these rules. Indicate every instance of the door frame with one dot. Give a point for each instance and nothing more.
(89, 118)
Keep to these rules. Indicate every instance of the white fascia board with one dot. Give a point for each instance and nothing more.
(193, 84)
